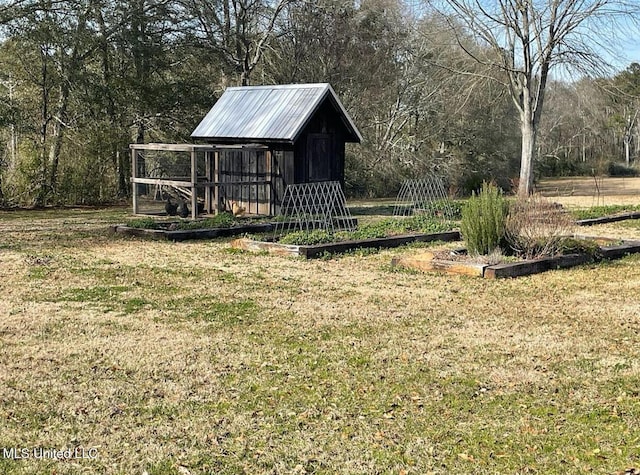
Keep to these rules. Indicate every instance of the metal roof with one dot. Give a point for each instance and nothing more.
(277, 113)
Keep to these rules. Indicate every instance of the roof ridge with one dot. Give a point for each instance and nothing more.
(282, 86)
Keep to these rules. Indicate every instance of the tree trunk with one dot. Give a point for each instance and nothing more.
(525, 187)
(41, 195)
(124, 173)
(58, 136)
(244, 77)
(627, 152)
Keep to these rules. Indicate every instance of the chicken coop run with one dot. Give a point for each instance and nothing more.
(189, 180)
(257, 141)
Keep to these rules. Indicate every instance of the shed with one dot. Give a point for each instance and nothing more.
(259, 140)
(301, 129)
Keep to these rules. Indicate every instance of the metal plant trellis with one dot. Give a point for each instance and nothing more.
(309, 206)
(424, 196)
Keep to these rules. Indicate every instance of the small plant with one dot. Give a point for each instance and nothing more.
(427, 224)
(221, 220)
(143, 223)
(395, 226)
(621, 169)
(483, 223)
(379, 229)
(307, 238)
(537, 227)
(570, 245)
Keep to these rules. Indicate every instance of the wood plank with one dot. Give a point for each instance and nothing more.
(170, 147)
(617, 252)
(426, 262)
(535, 266)
(608, 219)
(193, 147)
(237, 182)
(161, 181)
(260, 246)
(202, 184)
(318, 250)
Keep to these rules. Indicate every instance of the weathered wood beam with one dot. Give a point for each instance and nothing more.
(160, 181)
(194, 183)
(134, 177)
(191, 147)
(427, 262)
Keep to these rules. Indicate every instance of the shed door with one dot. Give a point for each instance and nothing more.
(319, 157)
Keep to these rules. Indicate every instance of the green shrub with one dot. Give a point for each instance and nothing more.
(483, 220)
(621, 169)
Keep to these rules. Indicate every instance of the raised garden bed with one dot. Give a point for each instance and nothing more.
(608, 219)
(187, 234)
(222, 225)
(430, 261)
(317, 250)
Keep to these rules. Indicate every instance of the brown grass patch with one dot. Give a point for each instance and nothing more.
(176, 358)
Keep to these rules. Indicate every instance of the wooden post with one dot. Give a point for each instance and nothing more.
(134, 175)
(216, 179)
(269, 177)
(194, 183)
(207, 190)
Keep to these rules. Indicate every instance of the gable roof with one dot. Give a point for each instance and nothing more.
(269, 113)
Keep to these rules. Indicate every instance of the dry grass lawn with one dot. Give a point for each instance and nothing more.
(188, 358)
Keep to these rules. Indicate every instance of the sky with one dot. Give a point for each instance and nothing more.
(633, 52)
(630, 54)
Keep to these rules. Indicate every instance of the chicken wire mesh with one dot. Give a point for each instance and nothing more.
(166, 166)
(425, 196)
(310, 206)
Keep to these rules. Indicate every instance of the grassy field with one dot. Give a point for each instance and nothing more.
(189, 358)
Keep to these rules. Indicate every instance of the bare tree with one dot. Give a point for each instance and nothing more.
(625, 93)
(526, 39)
(239, 31)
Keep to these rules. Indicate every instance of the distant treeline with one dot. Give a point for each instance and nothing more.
(81, 80)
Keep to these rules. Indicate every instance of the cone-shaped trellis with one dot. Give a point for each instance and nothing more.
(309, 206)
(424, 196)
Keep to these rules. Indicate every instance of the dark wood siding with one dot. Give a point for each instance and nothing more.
(320, 148)
(243, 177)
(318, 154)
(283, 173)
